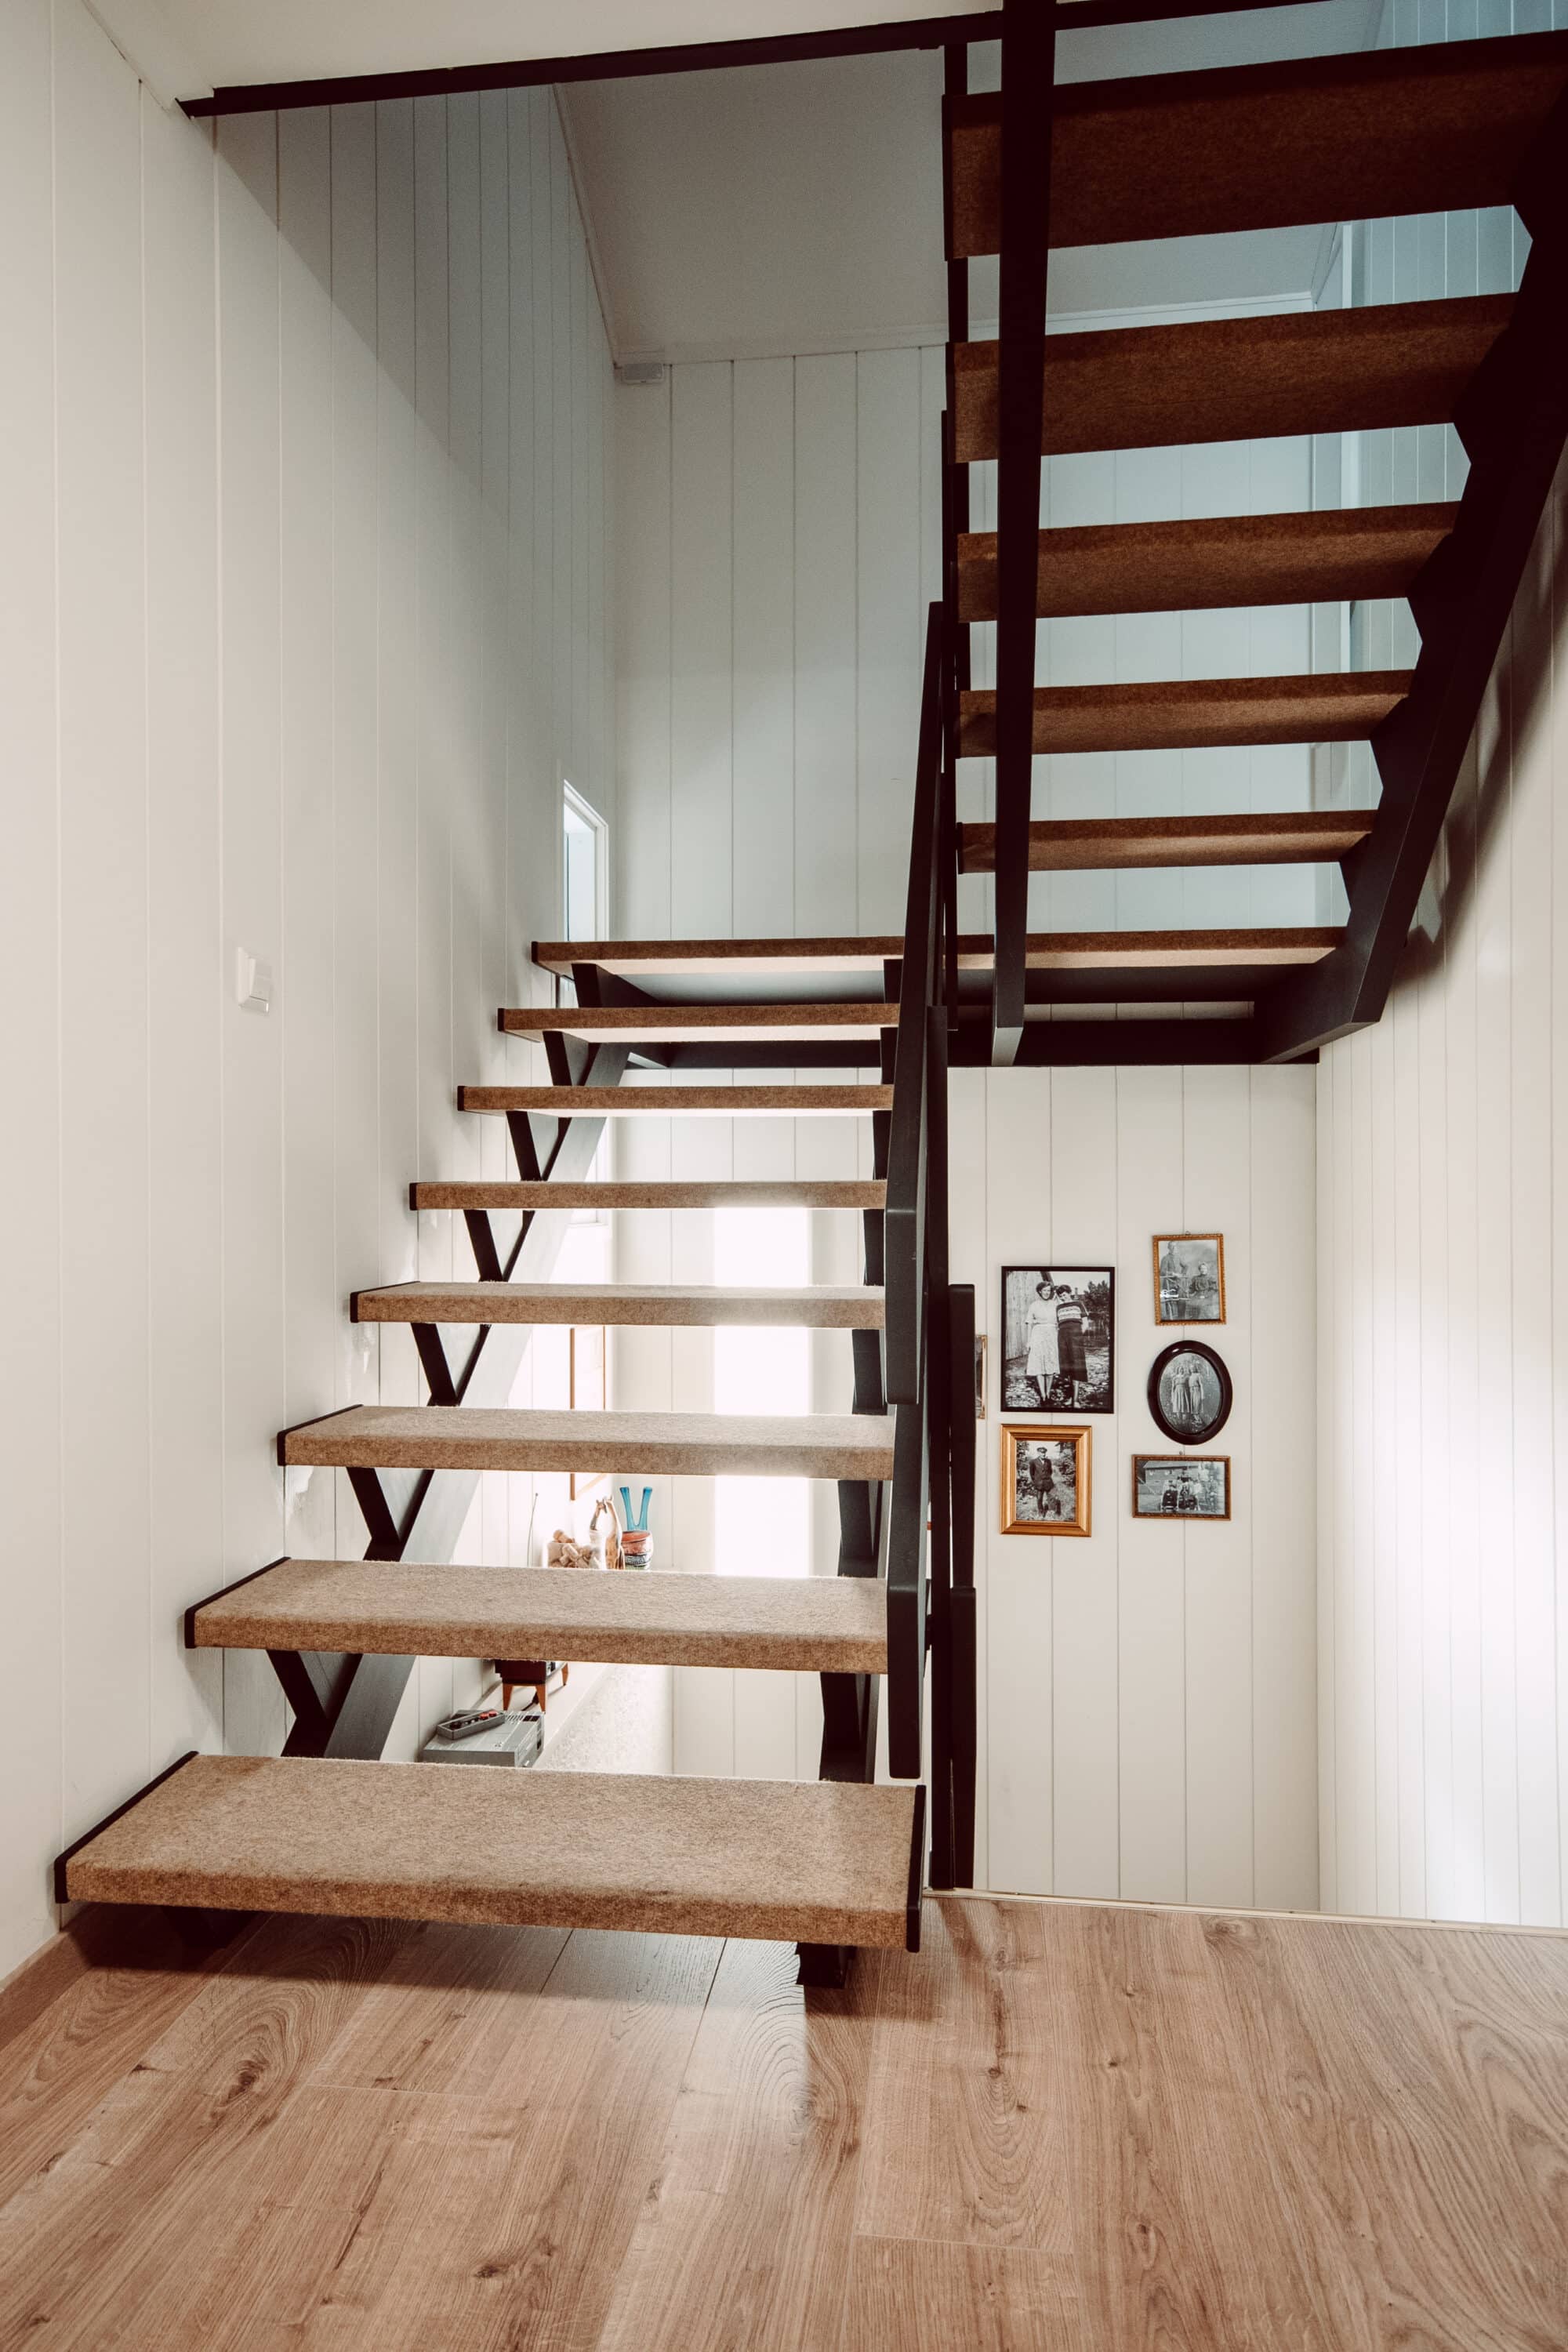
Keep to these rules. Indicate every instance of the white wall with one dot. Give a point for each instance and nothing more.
(779, 541)
(1147, 1694)
(1444, 1314)
(305, 511)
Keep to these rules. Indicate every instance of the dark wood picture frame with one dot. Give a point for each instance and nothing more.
(1195, 1433)
(1173, 1511)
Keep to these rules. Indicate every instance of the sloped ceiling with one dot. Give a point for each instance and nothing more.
(196, 46)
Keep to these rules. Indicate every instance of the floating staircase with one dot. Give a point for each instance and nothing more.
(1039, 166)
(832, 1865)
(838, 1864)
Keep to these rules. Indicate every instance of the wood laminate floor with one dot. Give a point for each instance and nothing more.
(1058, 2129)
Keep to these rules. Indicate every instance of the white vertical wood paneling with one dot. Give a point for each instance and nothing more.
(307, 1011)
(184, 1009)
(826, 643)
(702, 715)
(764, 625)
(1441, 1330)
(1148, 1722)
(327, 630)
(30, 1676)
(1455, 1778)
(103, 1448)
(1152, 1560)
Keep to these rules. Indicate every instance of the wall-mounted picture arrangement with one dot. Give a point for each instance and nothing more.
(1189, 1277)
(1045, 1481)
(1181, 1486)
(1059, 1339)
(1189, 1392)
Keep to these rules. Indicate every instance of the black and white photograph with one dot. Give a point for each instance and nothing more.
(1045, 1482)
(1189, 1277)
(1059, 1339)
(1190, 1393)
(1181, 1486)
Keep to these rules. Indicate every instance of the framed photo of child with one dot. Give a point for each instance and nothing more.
(1059, 1339)
(1045, 1481)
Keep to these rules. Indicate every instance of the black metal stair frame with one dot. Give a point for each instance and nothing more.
(1513, 422)
(1028, 81)
(344, 1704)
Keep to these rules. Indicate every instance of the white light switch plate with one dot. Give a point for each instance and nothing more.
(252, 982)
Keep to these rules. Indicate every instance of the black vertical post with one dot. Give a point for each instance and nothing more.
(1028, 75)
(961, 1643)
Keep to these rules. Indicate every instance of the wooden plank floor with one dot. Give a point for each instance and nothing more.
(1059, 2126)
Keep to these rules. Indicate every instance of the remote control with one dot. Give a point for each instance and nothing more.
(464, 1727)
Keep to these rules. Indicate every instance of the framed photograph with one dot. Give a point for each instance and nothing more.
(1189, 1277)
(1045, 1481)
(1190, 1393)
(1181, 1486)
(1059, 1339)
(586, 1393)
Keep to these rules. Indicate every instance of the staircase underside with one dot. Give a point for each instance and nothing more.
(808, 1624)
(814, 1861)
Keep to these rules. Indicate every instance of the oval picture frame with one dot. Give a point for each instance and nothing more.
(1186, 1432)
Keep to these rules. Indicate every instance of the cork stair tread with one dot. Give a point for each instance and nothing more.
(723, 959)
(704, 1023)
(1191, 714)
(1274, 838)
(1419, 130)
(1241, 379)
(817, 1861)
(821, 1306)
(1044, 950)
(1216, 560)
(696, 1444)
(680, 1102)
(810, 1624)
(652, 1193)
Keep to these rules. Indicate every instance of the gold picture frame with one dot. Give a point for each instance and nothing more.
(1165, 1292)
(1183, 1468)
(1026, 1447)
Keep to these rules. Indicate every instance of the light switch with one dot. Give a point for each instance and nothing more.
(252, 982)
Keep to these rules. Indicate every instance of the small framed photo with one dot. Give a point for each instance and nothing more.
(1189, 1277)
(1059, 1339)
(1045, 1481)
(1181, 1486)
(1190, 1395)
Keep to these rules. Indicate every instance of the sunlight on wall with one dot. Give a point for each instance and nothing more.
(762, 1527)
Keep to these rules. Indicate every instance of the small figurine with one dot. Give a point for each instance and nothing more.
(606, 1545)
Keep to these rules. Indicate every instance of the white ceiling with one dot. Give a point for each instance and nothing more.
(187, 47)
(797, 208)
(762, 209)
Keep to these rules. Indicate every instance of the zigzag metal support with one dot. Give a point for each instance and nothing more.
(344, 1704)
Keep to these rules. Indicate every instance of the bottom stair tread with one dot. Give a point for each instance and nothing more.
(809, 1623)
(820, 1861)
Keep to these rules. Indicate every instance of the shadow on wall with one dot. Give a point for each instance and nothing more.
(1518, 707)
